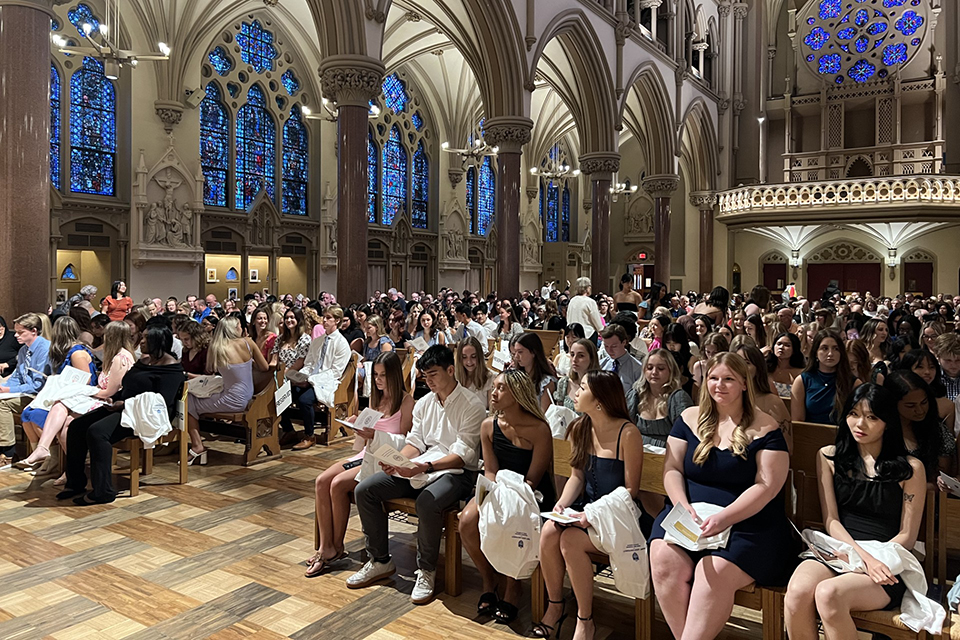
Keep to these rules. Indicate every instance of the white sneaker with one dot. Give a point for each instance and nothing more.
(423, 588)
(371, 572)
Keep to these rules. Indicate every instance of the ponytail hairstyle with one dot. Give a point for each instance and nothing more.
(709, 419)
(608, 390)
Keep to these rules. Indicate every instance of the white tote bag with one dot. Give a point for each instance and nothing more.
(615, 530)
(510, 526)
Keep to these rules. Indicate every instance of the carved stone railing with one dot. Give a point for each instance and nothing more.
(923, 158)
(841, 197)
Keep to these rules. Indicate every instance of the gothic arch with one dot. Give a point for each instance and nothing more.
(843, 250)
(698, 146)
(646, 111)
(589, 92)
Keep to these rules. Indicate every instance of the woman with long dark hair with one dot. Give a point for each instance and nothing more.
(925, 364)
(876, 337)
(675, 340)
(821, 391)
(118, 304)
(627, 299)
(785, 362)
(654, 299)
(528, 355)
(870, 489)
(571, 333)
(924, 436)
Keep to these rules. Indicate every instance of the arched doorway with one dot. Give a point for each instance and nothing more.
(849, 266)
(918, 270)
(773, 268)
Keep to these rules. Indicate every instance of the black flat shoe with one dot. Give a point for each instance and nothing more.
(487, 604)
(87, 500)
(506, 612)
(66, 494)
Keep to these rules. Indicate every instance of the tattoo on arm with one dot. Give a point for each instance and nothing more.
(908, 497)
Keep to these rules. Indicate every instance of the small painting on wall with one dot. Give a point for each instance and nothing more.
(62, 295)
(212, 275)
(232, 293)
(254, 275)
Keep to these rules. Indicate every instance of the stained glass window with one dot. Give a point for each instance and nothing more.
(54, 127)
(232, 275)
(421, 184)
(565, 215)
(80, 15)
(256, 46)
(472, 198)
(486, 197)
(220, 61)
(214, 147)
(290, 82)
(394, 177)
(417, 120)
(551, 193)
(256, 149)
(69, 273)
(372, 171)
(295, 165)
(395, 93)
(93, 130)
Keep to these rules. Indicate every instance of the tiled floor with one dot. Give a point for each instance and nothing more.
(220, 558)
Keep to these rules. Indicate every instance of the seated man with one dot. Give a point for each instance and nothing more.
(329, 352)
(617, 358)
(26, 378)
(480, 314)
(467, 326)
(446, 423)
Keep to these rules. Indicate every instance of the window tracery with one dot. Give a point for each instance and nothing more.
(93, 130)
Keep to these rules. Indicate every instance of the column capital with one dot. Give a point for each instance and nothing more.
(170, 112)
(703, 200)
(45, 6)
(724, 9)
(600, 165)
(661, 186)
(509, 133)
(740, 10)
(650, 4)
(455, 175)
(351, 80)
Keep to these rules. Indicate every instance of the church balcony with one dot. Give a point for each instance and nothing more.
(901, 198)
(918, 158)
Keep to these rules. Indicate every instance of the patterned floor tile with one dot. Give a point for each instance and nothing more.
(22, 548)
(165, 536)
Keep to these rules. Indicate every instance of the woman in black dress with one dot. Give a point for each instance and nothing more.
(870, 489)
(517, 437)
(726, 453)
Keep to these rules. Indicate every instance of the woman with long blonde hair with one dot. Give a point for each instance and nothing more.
(727, 454)
(517, 438)
(471, 369)
(233, 357)
(583, 359)
(657, 397)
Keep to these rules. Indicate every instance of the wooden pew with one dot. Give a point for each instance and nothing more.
(344, 403)
(551, 341)
(257, 426)
(409, 360)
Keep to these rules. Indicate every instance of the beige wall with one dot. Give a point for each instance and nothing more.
(165, 279)
(292, 273)
(91, 267)
(222, 263)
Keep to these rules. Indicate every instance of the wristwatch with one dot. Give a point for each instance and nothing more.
(429, 467)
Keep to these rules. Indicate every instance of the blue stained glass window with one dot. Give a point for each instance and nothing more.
(862, 71)
(486, 197)
(290, 82)
(915, 42)
(895, 54)
(909, 22)
(552, 210)
(296, 165)
(421, 187)
(811, 57)
(830, 63)
(472, 198)
(565, 215)
(816, 38)
(54, 127)
(394, 177)
(417, 120)
(256, 46)
(811, 20)
(256, 149)
(395, 93)
(372, 171)
(93, 130)
(69, 273)
(232, 275)
(214, 147)
(829, 9)
(54, 24)
(862, 17)
(220, 61)
(862, 43)
(889, 4)
(877, 28)
(846, 34)
(80, 15)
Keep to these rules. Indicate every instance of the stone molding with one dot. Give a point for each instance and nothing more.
(508, 132)
(661, 186)
(703, 200)
(351, 80)
(597, 165)
(170, 112)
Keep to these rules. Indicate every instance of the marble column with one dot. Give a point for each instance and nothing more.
(509, 134)
(661, 188)
(25, 156)
(950, 21)
(705, 201)
(351, 82)
(600, 167)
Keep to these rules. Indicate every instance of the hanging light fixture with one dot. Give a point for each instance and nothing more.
(621, 188)
(553, 168)
(330, 112)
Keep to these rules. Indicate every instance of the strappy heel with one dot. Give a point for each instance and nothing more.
(541, 630)
(197, 458)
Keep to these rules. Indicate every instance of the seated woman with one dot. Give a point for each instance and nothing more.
(333, 486)
(397, 330)
(767, 401)
(819, 393)
(923, 363)
(753, 327)
(517, 438)
(195, 341)
(82, 316)
(160, 372)
(509, 326)
(785, 362)
(711, 345)
(924, 435)
(725, 453)
(675, 341)
(571, 333)
(377, 340)
(607, 453)
(655, 330)
(260, 331)
(233, 357)
(715, 306)
(528, 355)
(471, 370)
(583, 359)
(657, 398)
(293, 342)
(428, 330)
(870, 489)
(875, 335)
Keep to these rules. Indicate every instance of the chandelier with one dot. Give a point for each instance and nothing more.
(101, 46)
(477, 150)
(330, 112)
(622, 188)
(553, 167)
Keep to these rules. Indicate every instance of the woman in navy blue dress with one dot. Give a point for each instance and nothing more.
(727, 453)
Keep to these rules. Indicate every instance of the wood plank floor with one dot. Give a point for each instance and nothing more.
(220, 558)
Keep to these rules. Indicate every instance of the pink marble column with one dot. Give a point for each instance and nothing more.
(352, 82)
(705, 201)
(600, 167)
(661, 188)
(25, 157)
(509, 134)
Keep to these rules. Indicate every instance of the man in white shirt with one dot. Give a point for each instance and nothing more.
(446, 435)
(480, 314)
(467, 326)
(329, 352)
(583, 310)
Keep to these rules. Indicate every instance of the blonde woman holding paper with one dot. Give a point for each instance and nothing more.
(724, 453)
(333, 486)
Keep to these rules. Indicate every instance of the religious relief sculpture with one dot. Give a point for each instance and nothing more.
(530, 251)
(639, 218)
(167, 222)
(453, 245)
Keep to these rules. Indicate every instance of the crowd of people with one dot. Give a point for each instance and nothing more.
(703, 380)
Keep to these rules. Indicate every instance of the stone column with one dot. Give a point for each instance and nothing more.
(351, 82)
(950, 19)
(705, 201)
(25, 156)
(509, 134)
(661, 189)
(600, 167)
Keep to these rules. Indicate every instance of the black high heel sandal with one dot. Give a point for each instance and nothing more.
(487, 605)
(589, 618)
(541, 630)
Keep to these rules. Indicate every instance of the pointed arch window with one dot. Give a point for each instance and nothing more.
(395, 93)
(214, 147)
(486, 197)
(80, 15)
(394, 177)
(256, 149)
(549, 208)
(93, 130)
(565, 214)
(295, 165)
(472, 198)
(54, 127)
(373, 170)
(421, 187)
